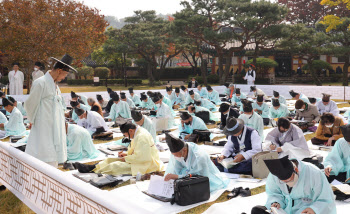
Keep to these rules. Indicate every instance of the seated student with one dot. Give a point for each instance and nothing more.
(134, 97)
(164, 111)
(192, 109)
(146, 102)
(278, 110)
(192, 96)
(327, 105)
(296, 187)
(185, 91)
(206, 104)
(190, 123)
(262, 109)
(178, 98)
(193, 83)
(144, 122)
(299, 96)
(74, 105)
(337, 163)
(142, 155)
(103, 103)
(95, 106)
(79, 143)
(92, 120)
(313, 101)
(227, 111)
(188, 158)
(3, 118)
(119, 109)
(127, 100)
(213, 95)
(306, 112)
(237, 99)
(232, 91)
(280, 98)
(18, 105)
(15, 125)
(258, 91)
(110, 102)
(252, 119)
(227, 88)
(328, 131)
(80, 98)
(202, 92)
(166, 101)
(169, 92)
(288, 139)
(242, 143)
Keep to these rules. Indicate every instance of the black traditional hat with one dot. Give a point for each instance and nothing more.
(150, 93)
(38, 64)
(115, 97)
(73, 94)
(168, 88)
(238, 91)
(74, 103)
(177, 90)
(6, 102)
(227, 84)
(260, 98)
(99, 97)
(345, 130)
(281, 168)
(275, 102)
(252, 88)
(191, 92)
(209, 88)
(155, 99)
(175, 144)
(124, 128)
(131, 90)
(79, 111)
(136, 115)
(109, 90)
(247, 106)
(293, 93)
(184, 115)
(326, 97)
(11, 99)
(224, 107)
(183, 88)
(143, 96)
(160, 95)
(197, 102)
(122, 95)
(312, 99)
(276, 94)
(65, 62)
(233, 126)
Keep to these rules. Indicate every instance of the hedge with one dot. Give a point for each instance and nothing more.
(102, 82)
(177, 73)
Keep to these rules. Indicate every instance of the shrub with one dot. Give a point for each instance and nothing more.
(213, 78)
(102, 72)
(263, 65)
(85, 71)
(318, 65)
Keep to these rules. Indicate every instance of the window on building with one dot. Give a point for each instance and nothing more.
(341, 59)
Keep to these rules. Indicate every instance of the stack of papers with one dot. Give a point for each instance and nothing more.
(159, 187)
(228, 163)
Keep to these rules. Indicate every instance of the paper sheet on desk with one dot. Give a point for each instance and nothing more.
(159, 187)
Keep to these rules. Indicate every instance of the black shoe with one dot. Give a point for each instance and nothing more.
(84, 168)
(245, 192)
(234, 193)
(2, 188)
(69, 166)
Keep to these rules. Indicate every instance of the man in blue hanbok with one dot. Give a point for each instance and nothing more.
(169, 93)
(76, 104)
(79, 143)
(145, 122)
(15, 125)
(119, 109)
(299, 96)
(18, 105)
(185, 91)
(237, 100)
(337, 163)
(261, 108)
(146, 102)
(188, 158)
(202, 91)
(278, 110)
(80, 98)
(206, 104)
(213, 95)
(297, 187)
(178, 99)
(227, 89)
(280, 98)
(134, 97)
(190, 123)
(47, 138)
(127, 100)
(192, 96)
(194, 109)
(252, 119)
(242, 143)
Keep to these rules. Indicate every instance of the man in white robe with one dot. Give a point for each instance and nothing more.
(164, 111)
(16, 79)
(250, 75)
(326, 105)
(92, 120)
(101, 101)
(37, 73)
(47, 138)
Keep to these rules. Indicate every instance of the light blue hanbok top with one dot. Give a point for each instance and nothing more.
(121, 109)
(237, 100)
(203, 93)
(282, 111)
(264, 108)
(75, 117)
(15, 125)
(214, 96)
(197, 124)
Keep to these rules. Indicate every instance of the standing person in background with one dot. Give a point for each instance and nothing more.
(47, 138)
(193, 83)
(16, 79)
(37, 73)
(250, 75)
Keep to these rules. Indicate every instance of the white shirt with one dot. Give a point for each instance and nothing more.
(256, 145)
(331, 108)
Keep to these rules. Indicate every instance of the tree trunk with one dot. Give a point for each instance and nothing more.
(346, 71)
(150, 74)
(227, 68)
(221, 67)
(204, 70)
(313, 74)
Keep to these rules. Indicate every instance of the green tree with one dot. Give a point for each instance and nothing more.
(318, 66)
(85, 71)
(305, 43)
(263, 65)
(102, 73)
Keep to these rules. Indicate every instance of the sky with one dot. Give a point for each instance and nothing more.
(125, 8)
